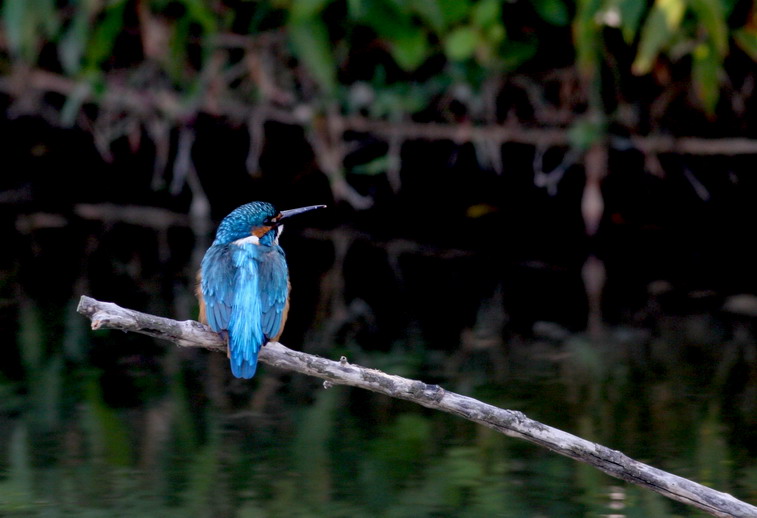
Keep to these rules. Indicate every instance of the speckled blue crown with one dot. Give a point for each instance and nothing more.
(240, 221)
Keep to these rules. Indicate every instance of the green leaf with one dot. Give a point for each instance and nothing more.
(711, 16)
(384, 18)
(100, 48)
(73, 104)
(430, 12)
(487, 13)
(514, 53)
(410, 49)
(494, 34)
(706, 75)
(746, 38)
(46, 15)
(553, 11)
(74, 42)
(454, 11)
(631, 12)
(18, 30)
(460, 44)
(357, 9)
(394, 100)
(585, 132)
(587, 36)
(397, 5)
(304, 9)
(375, 167)
(310, 42)
(177, 49)
(663, 21)
(489, 46)
(26, 23)
(199, 12)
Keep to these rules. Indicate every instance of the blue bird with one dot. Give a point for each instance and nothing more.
(243, 283)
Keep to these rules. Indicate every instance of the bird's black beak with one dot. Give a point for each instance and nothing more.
(293, 212)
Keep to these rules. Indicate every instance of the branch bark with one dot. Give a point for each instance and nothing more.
(106, 315)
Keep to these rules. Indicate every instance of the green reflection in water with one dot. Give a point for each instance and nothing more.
(319, 455)
(191, 442)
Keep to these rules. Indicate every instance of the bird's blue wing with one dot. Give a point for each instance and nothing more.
(260, 295)
(217, 286)
(245, 288)
(274, 279)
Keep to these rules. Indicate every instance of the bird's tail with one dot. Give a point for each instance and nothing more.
(246, 335)
(242, 368)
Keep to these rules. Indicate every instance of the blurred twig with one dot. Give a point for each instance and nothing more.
(168, 104)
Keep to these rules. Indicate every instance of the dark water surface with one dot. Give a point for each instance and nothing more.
(112, 424)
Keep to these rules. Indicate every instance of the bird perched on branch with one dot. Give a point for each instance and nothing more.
(243, 283)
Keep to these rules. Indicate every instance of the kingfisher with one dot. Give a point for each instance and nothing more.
(243, 283)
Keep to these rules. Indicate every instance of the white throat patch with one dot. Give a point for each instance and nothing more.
(255, 240)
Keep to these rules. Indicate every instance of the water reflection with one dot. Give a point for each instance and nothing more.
(108, 423)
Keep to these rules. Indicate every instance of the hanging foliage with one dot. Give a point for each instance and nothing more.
(430, 61)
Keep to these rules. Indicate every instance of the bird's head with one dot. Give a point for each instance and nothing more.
(257, 222)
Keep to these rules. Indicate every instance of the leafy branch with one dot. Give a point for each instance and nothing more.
(479, 72)
(106, 315)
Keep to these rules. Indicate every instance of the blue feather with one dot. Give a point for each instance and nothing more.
(274, 276)
(217, 286)
(245, 282)
(245, 327)
(245, 288)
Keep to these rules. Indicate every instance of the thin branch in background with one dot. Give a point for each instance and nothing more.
(394, 163)
(325, 131)
(151, 217)
(106, 315)
(326, 137)
(256, 132)
(27, 86)
(699, 188)
(159, 131)
(199, 216)
(592, 202)
(183, 162)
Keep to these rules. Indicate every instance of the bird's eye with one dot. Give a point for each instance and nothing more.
(273, 220)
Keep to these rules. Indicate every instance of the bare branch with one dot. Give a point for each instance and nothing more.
(106, 315)
(168, 104)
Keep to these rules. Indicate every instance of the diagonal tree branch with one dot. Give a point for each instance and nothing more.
(106, 315)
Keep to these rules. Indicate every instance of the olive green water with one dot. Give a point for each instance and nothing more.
(112, 424)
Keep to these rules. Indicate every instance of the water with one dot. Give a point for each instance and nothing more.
(107, 423)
